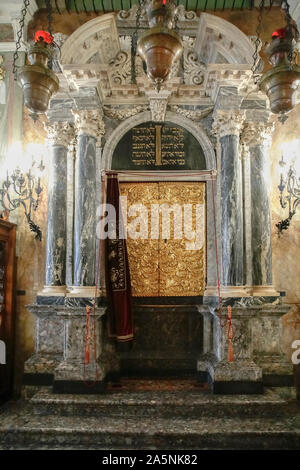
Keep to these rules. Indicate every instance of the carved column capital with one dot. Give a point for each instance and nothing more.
(59, 133)
(89, 122)
(228, 122)
(257, 133)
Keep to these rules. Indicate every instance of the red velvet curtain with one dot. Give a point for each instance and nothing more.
(118, 286)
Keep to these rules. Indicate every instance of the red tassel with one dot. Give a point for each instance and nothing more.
(87, 356)
(230, 335)
(230, 351)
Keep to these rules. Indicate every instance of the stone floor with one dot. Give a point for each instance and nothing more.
(156, 418)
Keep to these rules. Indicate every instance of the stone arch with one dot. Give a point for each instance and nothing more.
(140, 118)
(216, 35)
(99, 35)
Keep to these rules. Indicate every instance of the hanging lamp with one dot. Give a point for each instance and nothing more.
(280, 83)
(160, 47)
(38, 81)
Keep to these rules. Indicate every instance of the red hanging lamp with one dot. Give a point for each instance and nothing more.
(280, 83)
(38, 81)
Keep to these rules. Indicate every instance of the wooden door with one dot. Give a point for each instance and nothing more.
(7, 323)
(164, 266)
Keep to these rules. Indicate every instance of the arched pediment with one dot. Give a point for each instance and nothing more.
(199, 134)
(218, 38)
(98, 36)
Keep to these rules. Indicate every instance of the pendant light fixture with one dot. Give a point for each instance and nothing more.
(38, 81)
(160, 46)
(280, 83)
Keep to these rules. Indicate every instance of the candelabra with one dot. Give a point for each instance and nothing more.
(289, 188)
(23, 189)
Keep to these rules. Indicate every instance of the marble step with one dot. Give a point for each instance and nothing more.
(20, 429)
(167, 404)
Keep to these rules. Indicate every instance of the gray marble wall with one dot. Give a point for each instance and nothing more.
(231, 210)
(57, 218)
(260, 219)
(85, 212)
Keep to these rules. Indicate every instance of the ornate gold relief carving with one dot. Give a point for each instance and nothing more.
(165, 267)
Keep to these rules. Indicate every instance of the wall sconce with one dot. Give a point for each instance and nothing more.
(289, 185)
(22, 188)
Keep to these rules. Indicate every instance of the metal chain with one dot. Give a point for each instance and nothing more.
(49, 15)
(290, 26)
(134, 40)
(19, 36)
(257, 40)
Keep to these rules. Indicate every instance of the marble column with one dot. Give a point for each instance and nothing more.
(257, 137)
(70, 210)
(59, 134)
(89, 129)
(227, 127)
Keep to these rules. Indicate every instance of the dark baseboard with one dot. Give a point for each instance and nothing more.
(236, 387)
(37, 379)
(273, 380)
(79, 386)
(158, 373)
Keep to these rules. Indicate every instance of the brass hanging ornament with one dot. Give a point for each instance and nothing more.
(37, 80)
(281, 82)
(160, 47)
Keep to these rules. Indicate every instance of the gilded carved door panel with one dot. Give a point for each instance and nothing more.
(173, 264)
(142, 253)
(182, 256)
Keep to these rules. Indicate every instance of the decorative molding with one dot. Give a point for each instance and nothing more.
(193, 71)
(122, 113)
(158, 107)
(257, 133)
(192, 114)
(228, 122)
(185, 15)
(59, 133)
(89, 122)
(120, 69)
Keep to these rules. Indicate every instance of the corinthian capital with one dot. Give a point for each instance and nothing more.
(59, 133)
(257, 133)
(89, 122)
(228, 122)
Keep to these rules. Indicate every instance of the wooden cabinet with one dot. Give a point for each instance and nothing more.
(7, 307)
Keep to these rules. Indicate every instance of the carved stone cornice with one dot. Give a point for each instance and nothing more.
(123, 113)
(89, 122)
(257, 133)
(194, 115)
(228, 122)
(59, 133)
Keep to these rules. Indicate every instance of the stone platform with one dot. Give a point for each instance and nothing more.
(183, 419)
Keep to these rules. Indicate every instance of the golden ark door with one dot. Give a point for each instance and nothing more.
(168, 257)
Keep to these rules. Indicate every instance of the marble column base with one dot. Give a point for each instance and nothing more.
(71, 375)
(56, 291)
(39, 369)
(77, 377)
(267, 344)
(228, 291)
(82, 291)
(49, 345)
(265, 291)
(235, 291)
(238, 377)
